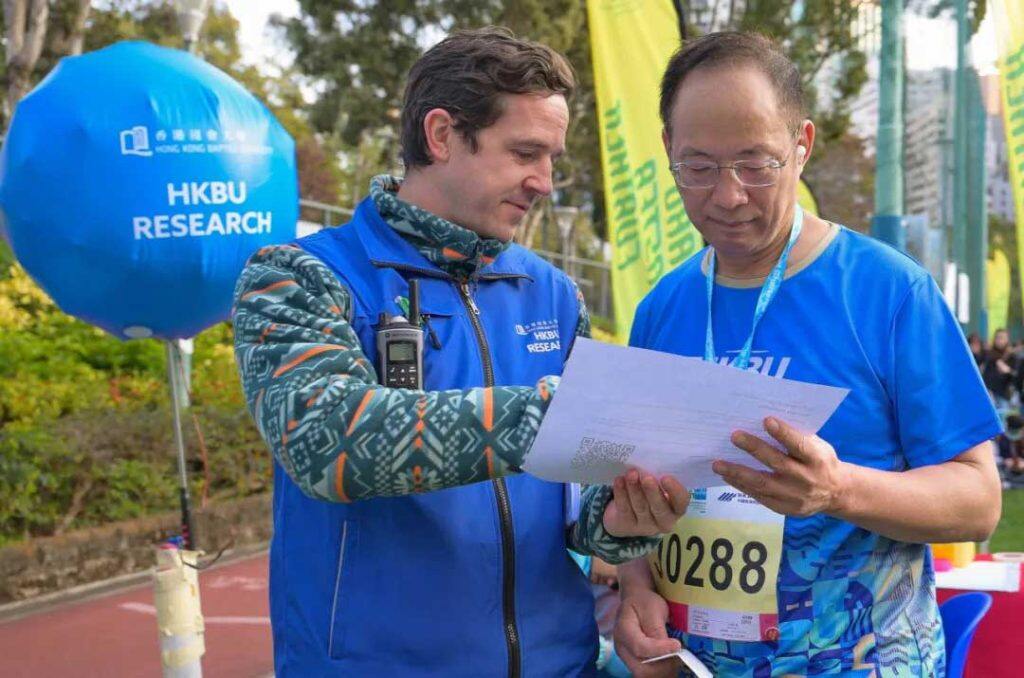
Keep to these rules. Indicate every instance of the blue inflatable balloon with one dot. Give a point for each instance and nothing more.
(134, 183)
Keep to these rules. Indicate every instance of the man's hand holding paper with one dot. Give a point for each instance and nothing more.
(807, 478)
(643, 505)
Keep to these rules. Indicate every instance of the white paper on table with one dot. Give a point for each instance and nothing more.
(980, 575)
(618, 408)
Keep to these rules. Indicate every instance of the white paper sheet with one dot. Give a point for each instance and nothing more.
(619, 408)
(689, 659)
(981, 575)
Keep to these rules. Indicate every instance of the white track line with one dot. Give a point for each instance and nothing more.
(244, 621)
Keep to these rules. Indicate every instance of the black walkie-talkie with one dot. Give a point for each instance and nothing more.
(400, 346)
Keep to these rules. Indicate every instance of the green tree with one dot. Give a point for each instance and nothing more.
(823, 34)
(356, 54)
(976, 10)
(33, 29)
(59, 28)
(842, 178)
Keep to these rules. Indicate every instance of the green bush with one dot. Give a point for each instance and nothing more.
(85, 424)
(37, 474)
(116, 463)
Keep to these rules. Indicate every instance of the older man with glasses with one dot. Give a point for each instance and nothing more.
(818, 565)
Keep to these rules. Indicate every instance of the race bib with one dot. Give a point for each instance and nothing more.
(719, 567)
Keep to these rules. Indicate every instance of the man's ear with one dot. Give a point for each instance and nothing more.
(805, 143)
(439, 132)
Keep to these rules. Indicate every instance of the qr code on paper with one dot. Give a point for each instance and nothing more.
(592, 452)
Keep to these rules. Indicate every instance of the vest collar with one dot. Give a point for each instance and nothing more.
(386, 248)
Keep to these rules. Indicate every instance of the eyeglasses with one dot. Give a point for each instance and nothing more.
(749, 173)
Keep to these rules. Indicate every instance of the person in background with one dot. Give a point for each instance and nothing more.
(977, 347)
(999, 371)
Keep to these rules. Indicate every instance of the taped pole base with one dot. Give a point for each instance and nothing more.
(179, 616)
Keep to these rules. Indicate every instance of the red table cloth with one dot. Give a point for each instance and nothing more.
(998, 648)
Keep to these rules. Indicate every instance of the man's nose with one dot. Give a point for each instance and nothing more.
(729, 193)
(540, 180)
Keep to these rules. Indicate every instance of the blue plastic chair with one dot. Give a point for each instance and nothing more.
(960, 618)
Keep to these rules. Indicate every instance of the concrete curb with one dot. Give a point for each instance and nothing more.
(20, 609)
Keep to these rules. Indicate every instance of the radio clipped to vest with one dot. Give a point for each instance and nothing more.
(400, 346)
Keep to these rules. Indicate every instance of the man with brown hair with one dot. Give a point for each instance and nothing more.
(406, 541)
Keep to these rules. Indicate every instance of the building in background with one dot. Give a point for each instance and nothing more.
(997, 165)
(927, 146)
(864, 108)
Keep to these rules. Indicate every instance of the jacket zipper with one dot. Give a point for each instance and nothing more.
(504, 506)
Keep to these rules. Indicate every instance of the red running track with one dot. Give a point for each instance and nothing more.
(115, 634)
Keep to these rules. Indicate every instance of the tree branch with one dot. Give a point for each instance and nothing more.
(77, 504)
(38, 17)
(76, 38)
(14, 20)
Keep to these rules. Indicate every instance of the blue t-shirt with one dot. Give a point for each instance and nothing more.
(863, 316)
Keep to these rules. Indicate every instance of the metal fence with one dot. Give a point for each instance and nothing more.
(593, 277)
(322, 214)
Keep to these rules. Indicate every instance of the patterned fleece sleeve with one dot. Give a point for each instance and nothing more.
(587, 535)
(337, 432)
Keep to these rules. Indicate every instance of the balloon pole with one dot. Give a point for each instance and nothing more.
(179, 400)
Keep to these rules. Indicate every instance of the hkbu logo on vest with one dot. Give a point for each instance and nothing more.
(760, 361)
(541, 336)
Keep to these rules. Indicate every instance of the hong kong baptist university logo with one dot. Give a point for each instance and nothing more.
(135, 141)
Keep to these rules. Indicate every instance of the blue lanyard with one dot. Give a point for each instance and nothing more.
(768, 291)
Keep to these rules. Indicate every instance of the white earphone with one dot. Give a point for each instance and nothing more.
(801, 152)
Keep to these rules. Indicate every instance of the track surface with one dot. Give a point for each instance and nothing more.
(115, 634)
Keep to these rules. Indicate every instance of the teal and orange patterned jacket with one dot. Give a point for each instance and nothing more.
(290, 309)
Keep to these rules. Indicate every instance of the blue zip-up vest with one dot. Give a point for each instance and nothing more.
(468, 581)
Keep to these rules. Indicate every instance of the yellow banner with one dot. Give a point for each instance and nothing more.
(1009, 23)
(997, 291)
(805, 198)
(631, 42)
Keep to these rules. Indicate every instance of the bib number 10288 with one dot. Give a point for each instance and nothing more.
(718, 569)
(718, 564)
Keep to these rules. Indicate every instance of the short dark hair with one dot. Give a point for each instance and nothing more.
(467, 74)
(731, 48)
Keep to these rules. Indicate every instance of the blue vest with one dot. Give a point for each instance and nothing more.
(468, 581)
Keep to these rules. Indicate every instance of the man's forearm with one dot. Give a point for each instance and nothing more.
(635, 574)
(338, 433)
(959, 500)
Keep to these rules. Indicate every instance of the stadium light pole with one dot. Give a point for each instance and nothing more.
(977, 209)
(887, 223)
(960, 163)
